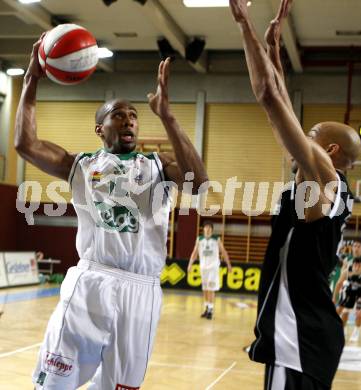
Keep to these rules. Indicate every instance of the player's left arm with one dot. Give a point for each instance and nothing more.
(225, 255)
(186, 159)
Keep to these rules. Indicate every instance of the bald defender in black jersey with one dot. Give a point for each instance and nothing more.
(299, 335)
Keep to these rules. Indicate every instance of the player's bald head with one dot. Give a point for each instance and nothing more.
(109, 106)
(328, 134)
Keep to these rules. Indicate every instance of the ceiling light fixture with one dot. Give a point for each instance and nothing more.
(206, 3)
(209, 3)
(29, 1)
(15, 72)
(104, 52)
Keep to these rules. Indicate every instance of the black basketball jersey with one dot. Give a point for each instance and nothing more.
(353, 280)
(297, 324)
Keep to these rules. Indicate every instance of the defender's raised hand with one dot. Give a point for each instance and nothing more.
(159, 102)
(273, 33)
(239, 9)
(272, 38)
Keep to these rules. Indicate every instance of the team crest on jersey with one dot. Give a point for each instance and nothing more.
(123, 387)
(117, 218)
(110, 183)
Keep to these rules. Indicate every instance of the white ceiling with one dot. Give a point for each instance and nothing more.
(312, 23)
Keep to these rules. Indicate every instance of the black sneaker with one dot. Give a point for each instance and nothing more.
(209, 315)
(204, 315)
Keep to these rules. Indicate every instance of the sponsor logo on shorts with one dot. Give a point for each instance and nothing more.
(123, 387)
(41, 378)
(58, 365)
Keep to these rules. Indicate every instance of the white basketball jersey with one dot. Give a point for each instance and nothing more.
(208, 250)
(122, 203)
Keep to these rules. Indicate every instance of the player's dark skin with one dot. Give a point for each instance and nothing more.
(328, 146)
(118, 130)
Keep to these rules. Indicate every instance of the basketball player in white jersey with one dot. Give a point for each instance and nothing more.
(296, 317)
(207, 248)
(104, 325)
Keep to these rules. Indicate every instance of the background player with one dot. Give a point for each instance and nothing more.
(207, 248)
(344, 259)
(355, 252)
(349, 284)
(291, 340)
(348, 252)
(109, 305)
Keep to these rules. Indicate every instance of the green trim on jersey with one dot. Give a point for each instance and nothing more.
(213, 236)
(128, 156)
(122, 156)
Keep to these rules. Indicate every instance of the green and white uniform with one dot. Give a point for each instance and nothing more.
(208, 249)
(123, 211)
(104, 325)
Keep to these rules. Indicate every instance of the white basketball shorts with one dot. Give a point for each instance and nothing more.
(210, 278)
(103, 329)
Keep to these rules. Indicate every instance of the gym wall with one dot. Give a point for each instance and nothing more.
(236, 132)
(9, 235)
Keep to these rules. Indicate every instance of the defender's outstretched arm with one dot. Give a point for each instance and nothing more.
(270, 91)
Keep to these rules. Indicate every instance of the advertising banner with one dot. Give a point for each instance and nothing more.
(3, 278)
(21, 268)
(244, 278)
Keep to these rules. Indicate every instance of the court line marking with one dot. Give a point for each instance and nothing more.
(194, 367)
(187, 366)
(2, 355)
(225, 372)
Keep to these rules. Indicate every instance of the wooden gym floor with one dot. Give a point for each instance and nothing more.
(190, 352)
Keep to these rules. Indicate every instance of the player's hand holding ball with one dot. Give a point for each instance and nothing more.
(34, 68)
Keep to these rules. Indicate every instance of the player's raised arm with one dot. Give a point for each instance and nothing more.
(45, 155)
(270, 91)
(273, 44)
(186, 157)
